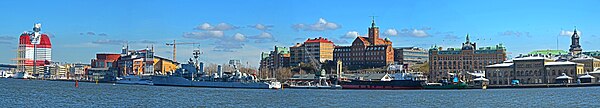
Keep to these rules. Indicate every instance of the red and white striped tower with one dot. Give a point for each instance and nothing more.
(34, 51)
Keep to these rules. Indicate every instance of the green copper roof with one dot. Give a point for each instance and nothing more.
(283, 50)
(264, 55)
(547, 52)
(592, 53)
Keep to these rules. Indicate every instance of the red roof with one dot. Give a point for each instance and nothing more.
(319, 40)
(44, 41)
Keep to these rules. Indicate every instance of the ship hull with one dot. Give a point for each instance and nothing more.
(315, 87)
(383, 85)
(180, 81)
(450, 86)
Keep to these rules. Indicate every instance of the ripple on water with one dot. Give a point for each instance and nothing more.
(35, 93)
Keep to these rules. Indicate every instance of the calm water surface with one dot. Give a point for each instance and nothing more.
(36, 93)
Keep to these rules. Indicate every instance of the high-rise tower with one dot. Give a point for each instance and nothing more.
(26, 52)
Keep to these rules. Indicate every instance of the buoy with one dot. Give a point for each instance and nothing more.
(96, 82)
(76, 83)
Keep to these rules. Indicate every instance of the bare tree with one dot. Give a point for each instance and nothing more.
(263, 73)
(283, 73)
(210, 68)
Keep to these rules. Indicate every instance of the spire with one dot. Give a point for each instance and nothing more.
(467, 37)
(372, 21)
(575, 30)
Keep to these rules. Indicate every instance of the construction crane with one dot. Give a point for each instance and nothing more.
(174, 44)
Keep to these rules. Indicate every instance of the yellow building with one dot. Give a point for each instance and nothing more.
(532, 70)
(164, 65)
(161, 66)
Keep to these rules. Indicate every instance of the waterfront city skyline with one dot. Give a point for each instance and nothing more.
(243, 29)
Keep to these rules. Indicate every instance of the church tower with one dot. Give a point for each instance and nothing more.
(373, 32)
(575, 47)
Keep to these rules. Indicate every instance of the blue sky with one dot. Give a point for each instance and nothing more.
(241, 29)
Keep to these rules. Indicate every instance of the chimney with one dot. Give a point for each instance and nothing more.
(220, 71)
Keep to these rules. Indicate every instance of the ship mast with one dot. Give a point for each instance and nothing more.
(35, 40)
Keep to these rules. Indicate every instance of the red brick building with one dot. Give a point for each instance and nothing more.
(104, 67)
(366, 52)
(105, 60)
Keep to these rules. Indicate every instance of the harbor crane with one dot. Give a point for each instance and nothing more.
(174, 44)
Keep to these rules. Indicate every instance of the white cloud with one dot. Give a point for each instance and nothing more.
(351, 35)
(204, 35)
(110, 42)
(568, 33)
(320, 25)
(338, 41)
(204, 26)
(419, 33)
(391, 32)
(262, 27)
(218, 27)
(239, 37)
(227, 46)
(414, 32)
(263, 35)
(7, 38)
(148, 42)
(514, 33)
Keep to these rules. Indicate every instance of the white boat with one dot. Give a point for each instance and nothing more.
(130, 79)
(22, 75)
(6, 74)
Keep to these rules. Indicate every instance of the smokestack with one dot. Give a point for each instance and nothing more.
(201, 68)
(220, 71)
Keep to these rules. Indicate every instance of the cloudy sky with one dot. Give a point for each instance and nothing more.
(241, 29)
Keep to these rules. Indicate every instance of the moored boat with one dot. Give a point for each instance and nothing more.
(188, 76)
(130, 79)
(460, 85)
(383, 81)
(22, 75)
(313, 81)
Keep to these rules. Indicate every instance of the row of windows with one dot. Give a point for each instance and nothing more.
(457, 67)
(467, 58)
(366, 58)
(484, 62)
(361, 54)
(362, 63)
(569, 72)
(361, 49)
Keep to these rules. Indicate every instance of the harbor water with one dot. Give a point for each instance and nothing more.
(39, 93)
